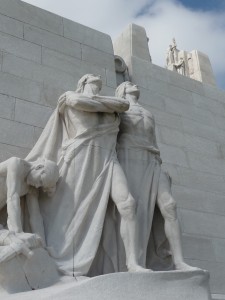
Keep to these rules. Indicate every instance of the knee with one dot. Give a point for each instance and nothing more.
(169, 209)
(127, 207)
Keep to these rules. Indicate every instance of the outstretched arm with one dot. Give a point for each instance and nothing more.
(13, 182)
(36, 220)
(95, 103)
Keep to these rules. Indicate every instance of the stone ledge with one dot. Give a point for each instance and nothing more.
(174, 285)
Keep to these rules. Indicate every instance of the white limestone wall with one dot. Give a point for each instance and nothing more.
(41, 56)
(190, 121)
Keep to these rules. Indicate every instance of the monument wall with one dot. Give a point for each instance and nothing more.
(42, 55)
(190, 124)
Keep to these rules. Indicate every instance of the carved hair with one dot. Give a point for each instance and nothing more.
(50, 170)
(83, 81)
(121, 90)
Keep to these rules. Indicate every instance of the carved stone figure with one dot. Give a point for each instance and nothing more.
(180, 66)
(81, 137)
(22, 178)
(13, 244)
(139, 157)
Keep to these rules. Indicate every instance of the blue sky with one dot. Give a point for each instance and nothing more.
(196, 25)
(205, 5)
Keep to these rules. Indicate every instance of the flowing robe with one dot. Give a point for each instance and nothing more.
(74, 216)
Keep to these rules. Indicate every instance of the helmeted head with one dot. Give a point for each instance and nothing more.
(44, 173)
(89, 79)
(125, 88)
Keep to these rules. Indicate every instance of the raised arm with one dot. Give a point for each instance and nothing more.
(95, 103)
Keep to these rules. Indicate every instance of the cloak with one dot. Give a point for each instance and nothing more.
(74, 216)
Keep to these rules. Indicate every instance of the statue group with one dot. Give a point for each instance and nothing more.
(96, 197)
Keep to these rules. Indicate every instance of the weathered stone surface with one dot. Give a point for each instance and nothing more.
(20, 47)
(87, 36)
(52, 41)
(176, 285)
(27, 13)
(29, 113)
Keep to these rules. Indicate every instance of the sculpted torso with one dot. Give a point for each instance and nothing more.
(139, 122)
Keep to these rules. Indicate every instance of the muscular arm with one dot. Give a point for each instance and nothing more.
(96, 103)
(36, 220)
(13, 182)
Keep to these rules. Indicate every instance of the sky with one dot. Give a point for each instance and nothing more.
(195, 24)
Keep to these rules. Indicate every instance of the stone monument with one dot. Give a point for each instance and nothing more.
(41, 56)
(194, 64)
(77, 217)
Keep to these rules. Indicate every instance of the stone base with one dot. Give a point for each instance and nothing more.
(176, 285)
(21, 274)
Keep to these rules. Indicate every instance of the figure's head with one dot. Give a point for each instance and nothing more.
(93, 81)
(127, 87)
(44, 173)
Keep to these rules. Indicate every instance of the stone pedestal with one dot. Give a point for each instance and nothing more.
(21, 274)
(176, 285)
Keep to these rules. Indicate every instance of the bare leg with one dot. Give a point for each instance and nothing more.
(167, 207)
(126, 207)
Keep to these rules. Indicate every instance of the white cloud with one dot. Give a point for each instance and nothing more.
(163, 20)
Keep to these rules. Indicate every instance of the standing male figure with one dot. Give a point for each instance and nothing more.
(139, 157)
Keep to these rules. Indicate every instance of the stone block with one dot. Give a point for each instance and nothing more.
(20, 87)
(7, 151)
(52, 41)
(87, 36)
(33, 15)
(11, 26)
(217, 274)
(167, 285)
(203, 163)
(100, 58)
(198, 129)
(16, 134)
(152, 99)
(198, 248)
(214, 93)
(166, 119)
(202, 224)
(180, 94)
(189, 111)
(29, 113)
(36, 72)
(174, 155)
(71, 65)
(20, 47)
(172, 137)
(198, 200)
(7, 106)
(185, 83)
(218, 245)
(206, 103)
(107, 91)
(201, 181)
(220, 122)
(37, 133)
(51, 94)
(111, 78)
(158, 72)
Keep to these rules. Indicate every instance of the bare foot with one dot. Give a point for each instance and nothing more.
(138, 269)
(185, 267)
